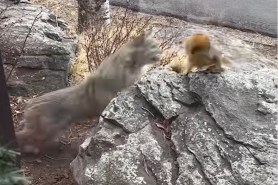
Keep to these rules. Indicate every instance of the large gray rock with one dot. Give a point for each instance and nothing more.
(44, 64)
(170, 129)
(254, 15)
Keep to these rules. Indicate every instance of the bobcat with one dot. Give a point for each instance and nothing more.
(45, 117)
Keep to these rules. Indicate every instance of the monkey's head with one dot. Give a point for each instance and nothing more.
(197, 43)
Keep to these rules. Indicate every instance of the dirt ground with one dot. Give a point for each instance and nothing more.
(53, 166)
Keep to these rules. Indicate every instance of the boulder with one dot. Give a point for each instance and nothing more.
(34, 39)
(245, 15)
(172, 129)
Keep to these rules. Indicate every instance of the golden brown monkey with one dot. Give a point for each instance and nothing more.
(200, 55)
(45, 117)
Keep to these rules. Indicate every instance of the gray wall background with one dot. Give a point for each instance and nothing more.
(255, 15)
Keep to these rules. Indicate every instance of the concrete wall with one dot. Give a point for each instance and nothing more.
(256, 15)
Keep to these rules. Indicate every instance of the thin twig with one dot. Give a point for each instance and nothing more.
(102, 40)
(54, 159)
(148, 111)
(145, 164)
(260, 43)
(70, 134)
(24, 43)
(65, 143)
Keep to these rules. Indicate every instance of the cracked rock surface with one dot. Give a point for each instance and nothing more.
(170, 129)
(44, 63)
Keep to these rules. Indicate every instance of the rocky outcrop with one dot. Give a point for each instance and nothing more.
(44, 63)
(246, 15)
(170, 129)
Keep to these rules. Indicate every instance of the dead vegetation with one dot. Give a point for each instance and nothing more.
(101, 40)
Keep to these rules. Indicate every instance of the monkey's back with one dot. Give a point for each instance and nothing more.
(64, 105)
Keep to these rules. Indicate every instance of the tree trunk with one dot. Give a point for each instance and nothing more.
(7, 133)
(92, 12)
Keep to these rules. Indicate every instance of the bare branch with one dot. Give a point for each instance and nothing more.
(23, 46)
